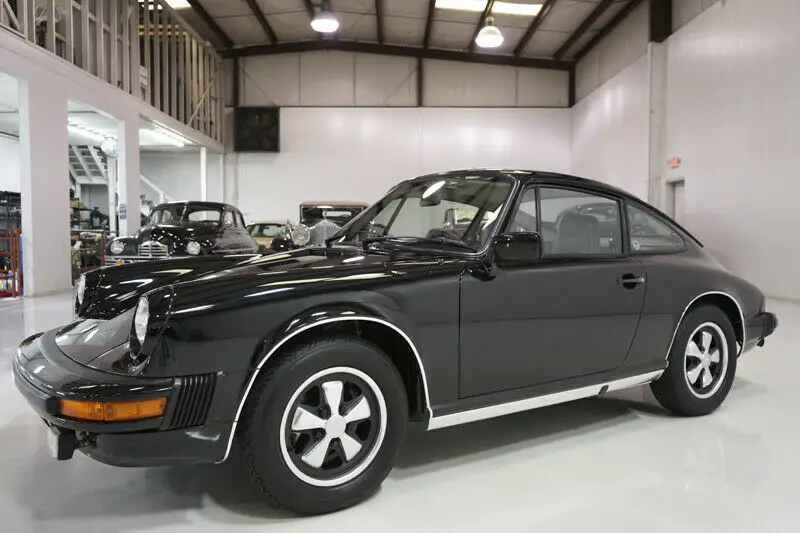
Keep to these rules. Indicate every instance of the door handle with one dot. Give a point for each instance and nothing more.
(630, 281)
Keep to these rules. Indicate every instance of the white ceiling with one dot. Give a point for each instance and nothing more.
(79, 115)
(404, 24)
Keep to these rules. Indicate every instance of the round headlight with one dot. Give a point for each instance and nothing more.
(117, 247)
(300, 235)
(80, 287)
(193, 248)
(141, 318)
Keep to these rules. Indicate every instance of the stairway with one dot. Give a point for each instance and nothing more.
(87, 165)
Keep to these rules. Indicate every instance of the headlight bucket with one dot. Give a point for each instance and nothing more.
(117, 247)
(148, 324)
(80, 288)
(141, 319)
(193, 248)
(300, 235)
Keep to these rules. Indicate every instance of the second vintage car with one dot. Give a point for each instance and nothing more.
(443, 303)
(184, 229)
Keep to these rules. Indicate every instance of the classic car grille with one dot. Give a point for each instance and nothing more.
(193, 400)
(153, 249)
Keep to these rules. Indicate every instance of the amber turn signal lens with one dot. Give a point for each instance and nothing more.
(113, 411)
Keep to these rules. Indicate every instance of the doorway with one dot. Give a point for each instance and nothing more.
(676, 206)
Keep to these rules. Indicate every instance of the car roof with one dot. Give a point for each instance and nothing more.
(276, 222)
(211, 205)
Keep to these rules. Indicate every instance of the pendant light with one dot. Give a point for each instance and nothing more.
(490, 35)
(325, 21)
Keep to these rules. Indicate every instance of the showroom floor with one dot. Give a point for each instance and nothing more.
(607, 465)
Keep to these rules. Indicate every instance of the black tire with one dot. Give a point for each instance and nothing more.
(267, 458)
(673, 389)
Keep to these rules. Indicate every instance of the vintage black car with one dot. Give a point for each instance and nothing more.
(443, 303)
(184, 229)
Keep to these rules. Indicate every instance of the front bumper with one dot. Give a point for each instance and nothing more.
(759, 327)
(193, 429)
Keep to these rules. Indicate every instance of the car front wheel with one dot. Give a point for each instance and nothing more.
(701, 364)
(323, 425)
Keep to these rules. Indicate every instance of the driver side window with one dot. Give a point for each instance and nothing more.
(228, 220)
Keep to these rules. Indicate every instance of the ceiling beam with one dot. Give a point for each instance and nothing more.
(395, 50)
(309, 9)
(585, 25)
(608, 28)
(481, 22)
(660, 20)
(262, 20)
(211, 23)
(537, 21)
(379, 19)
(426, 42)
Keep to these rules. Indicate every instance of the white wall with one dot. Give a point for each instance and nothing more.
(335, 78)
(626, 44)
(178, 174)
(9, 165)
(358, 153)
(610, 131)
(95, 196)
(684, 11)
(733, 116)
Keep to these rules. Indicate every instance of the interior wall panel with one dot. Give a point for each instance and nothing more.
(733, 117)
(610, 131)
(336, 78)
(359, 153)
(626, 44)
(10, 171)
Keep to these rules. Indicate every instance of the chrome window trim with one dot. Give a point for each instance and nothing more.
(710, 293)
(527, 404)
(293, 334)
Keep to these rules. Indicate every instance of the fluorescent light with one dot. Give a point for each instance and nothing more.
(513, 8)
(174, 4)
(499, 8)
(164, 136)
(89, 134)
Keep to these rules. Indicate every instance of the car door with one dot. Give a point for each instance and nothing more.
(573, 313)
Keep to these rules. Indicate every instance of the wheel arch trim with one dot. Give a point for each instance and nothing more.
(702, 295)
(286, 338)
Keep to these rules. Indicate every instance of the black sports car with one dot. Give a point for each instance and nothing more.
(184, 229)
(443, 303)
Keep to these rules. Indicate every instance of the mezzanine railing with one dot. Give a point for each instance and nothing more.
(140, 46)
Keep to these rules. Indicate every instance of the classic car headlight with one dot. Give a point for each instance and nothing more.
(193, 248)
(300, 235)
(80, 288)
(141, 319)
(117, 247)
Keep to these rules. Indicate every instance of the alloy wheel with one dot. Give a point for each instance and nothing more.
(333, 426)
(706, 360)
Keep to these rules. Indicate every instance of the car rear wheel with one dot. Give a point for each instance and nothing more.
(322, 426)
(702, 364)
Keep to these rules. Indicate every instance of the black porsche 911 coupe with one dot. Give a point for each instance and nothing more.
(184, 229)
(459, 296)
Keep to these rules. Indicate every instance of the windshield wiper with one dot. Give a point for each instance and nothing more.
(419, 240)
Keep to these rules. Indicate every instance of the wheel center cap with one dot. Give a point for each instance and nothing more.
(335, 426)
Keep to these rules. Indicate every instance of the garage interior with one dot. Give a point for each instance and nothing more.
(690, 105)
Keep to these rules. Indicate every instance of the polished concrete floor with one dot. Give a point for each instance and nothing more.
(602, 465)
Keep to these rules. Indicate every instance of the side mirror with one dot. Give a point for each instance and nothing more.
(512, 249)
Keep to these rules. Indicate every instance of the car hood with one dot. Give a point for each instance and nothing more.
(168, 234)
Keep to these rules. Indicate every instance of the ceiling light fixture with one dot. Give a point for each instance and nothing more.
(162, 135)
(325, 21)
(499, 8)
(490, 35)
(85, 132)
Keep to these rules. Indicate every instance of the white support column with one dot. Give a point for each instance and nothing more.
(128, 181)
(44, 180)
(112, 195)
(203, 174)
(221, 177)
(657, 64)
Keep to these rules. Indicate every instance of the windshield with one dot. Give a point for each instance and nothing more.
(341, 215)
(185, 214)
(266, 230)
(461, 210)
